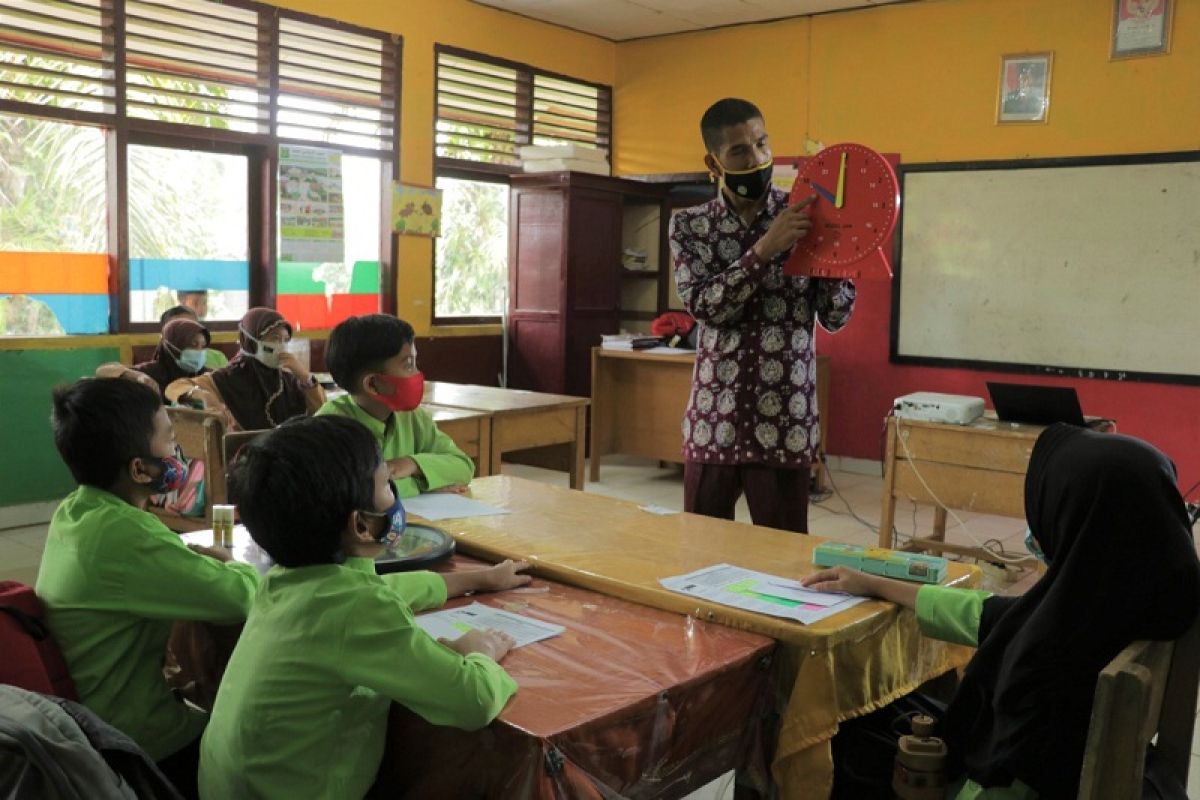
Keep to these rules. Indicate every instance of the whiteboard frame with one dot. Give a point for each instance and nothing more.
(1056, 370)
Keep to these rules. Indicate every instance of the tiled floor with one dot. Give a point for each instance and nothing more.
(850, 514)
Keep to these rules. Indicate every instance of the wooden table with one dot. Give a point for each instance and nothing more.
(978, 467)
(523, 420)
(834, 670)
(638, 402)
(470, 430)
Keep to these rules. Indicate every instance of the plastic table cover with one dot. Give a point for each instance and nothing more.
(837, 669)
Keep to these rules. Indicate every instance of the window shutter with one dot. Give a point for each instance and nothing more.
(482, 110)
(193, 62)
(54, 54)
(336, 86)
(566, 112)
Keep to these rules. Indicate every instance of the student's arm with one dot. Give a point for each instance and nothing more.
(314, 398)
(383, 649)
(439, 460)
(419, 590)
(943, 612)
(160, 578)
(834, 302)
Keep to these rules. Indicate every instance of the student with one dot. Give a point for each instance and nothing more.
(751, 424)
(180, 353)
(1097, 504)
(213, 358)
(373, 357)
(195, 299)
(264, 384)
(114, 579)
(302, 709)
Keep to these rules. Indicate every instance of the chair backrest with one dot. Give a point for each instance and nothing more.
(199, 434)
(235, 441)
(1149, 688)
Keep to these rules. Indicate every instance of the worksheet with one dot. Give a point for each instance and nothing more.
(436, 506)
(761, 593)
(452, 623)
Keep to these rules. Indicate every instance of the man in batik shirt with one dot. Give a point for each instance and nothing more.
(751, 421)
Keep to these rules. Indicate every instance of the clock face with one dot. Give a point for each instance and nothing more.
(855, 211)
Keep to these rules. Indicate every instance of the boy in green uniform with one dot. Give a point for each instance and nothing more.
(302, 709)
(374, 359)
(113, 578)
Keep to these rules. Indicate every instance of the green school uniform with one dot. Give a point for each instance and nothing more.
(416, 435)
(215, 359)
(302, 709)
(953, 615)
(113, 579)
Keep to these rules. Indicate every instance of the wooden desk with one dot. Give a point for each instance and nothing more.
(978, 467)
(638, 402)
(837, 669)
(470, 430)
(523, 420)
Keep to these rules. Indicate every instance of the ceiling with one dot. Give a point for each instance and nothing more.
(620, 20)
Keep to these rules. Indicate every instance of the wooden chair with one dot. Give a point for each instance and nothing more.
(200, 434)
(1149, 688)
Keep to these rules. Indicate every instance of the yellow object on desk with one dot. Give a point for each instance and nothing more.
(837, 669)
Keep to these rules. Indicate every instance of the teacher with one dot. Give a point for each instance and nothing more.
(751, 421)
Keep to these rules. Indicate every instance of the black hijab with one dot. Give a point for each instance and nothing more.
(1109, 517)
(258, 396)
(177, 336)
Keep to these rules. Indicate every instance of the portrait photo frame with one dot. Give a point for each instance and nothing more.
(1024, 92)
(1141, 28)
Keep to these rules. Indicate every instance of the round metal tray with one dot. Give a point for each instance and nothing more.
(421, 546)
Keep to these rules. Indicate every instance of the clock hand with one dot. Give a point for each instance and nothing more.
(841, 187)
(821, 190)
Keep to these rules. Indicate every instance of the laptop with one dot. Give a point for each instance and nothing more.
(1036, 405)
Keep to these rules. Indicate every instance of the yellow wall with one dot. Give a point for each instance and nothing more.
(424, 23)
(919, 79)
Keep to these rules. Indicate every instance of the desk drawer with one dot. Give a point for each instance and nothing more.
(968, 447)
(979, 490)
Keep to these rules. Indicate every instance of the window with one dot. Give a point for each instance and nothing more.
(487, 109)
(152, 154)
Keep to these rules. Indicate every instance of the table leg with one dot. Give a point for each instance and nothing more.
(576, 450)
(599, 423)
(887, 515)
(939, 523)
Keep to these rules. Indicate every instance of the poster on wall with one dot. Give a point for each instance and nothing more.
(311, 212)
(1141, 27)
(416, 210)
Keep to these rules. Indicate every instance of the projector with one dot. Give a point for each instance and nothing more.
(955, 409)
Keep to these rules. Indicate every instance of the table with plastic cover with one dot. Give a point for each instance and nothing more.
(628, 701)
(831, 671)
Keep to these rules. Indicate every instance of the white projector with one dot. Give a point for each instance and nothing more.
(955, 409)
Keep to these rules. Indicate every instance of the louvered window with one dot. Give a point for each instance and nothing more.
(55, 54)
(194, 63)
(487, 108)
(336, 86)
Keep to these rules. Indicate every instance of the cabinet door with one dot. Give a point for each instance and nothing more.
(537, 250)
(594, 252)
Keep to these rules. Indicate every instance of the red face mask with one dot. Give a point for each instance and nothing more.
(406, 392)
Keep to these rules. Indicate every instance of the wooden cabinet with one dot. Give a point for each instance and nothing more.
(567, 232)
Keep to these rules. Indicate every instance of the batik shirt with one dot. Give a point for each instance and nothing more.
(753, 396)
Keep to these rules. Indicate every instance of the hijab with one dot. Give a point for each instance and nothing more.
(1122, 567)
(177, 336)
(258, 396)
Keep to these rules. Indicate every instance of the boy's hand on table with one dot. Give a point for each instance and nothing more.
(493, 644)
(404, 467)
(457, 488)
(505, 575)
(219, 553)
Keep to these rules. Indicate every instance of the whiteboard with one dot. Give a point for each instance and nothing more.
(1087, 267)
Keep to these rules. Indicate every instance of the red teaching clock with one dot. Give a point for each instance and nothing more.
(858, 199)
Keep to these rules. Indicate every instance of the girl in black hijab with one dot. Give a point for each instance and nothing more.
(179, 355)
(1105, 513)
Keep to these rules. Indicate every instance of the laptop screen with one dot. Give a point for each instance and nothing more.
(1036, 405)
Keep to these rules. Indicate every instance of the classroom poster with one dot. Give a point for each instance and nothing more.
(311, 213)
(416, 210)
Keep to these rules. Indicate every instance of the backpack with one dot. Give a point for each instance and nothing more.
(31, 660)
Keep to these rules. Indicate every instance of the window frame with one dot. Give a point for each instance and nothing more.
(481, 171)
(262, 149)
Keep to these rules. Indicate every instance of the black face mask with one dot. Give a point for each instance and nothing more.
(748, 184)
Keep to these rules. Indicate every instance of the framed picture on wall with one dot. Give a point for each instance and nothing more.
(1141, 28)
(1024, 94)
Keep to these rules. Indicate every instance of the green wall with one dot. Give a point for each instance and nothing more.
(30, 469)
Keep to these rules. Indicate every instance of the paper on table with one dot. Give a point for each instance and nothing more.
(452, 623)
(447, 505)
(760, 592)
